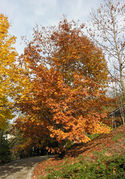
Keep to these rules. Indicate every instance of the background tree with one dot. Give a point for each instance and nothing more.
(7, 59)
(68, 78)
(11, 81)
(108, 27)
(108, 33)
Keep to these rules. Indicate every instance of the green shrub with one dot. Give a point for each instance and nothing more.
(108, 168)
(92, 136)
(5, 154)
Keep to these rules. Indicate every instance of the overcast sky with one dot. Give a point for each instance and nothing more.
(23, 15)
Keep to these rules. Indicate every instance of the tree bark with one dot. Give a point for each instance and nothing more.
(1, 136)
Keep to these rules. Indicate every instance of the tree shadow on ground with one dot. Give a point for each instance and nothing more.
(20, 165)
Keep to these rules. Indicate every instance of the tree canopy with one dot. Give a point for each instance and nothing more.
(68, 76)
(7, 69)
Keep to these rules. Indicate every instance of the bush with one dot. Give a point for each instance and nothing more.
(113, 168)
(5, 154)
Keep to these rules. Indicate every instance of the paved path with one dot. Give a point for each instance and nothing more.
(20, 169)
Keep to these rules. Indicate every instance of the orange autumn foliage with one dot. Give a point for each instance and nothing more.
(68, 77)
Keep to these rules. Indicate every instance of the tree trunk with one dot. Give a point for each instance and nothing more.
(1, 136)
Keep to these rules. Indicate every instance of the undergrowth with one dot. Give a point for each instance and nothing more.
(104, 167)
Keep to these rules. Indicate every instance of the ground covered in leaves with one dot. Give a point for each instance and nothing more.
(109, 144)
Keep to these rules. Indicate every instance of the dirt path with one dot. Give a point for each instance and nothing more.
(20, 169)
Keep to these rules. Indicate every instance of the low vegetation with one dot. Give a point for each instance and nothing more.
(106, 167)
(102, 157)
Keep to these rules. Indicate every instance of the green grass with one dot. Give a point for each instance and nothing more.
(104, 168)
(102, 164)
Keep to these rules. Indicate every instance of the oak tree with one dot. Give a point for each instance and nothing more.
(67, 86)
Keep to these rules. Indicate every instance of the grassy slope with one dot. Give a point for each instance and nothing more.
(106, 145)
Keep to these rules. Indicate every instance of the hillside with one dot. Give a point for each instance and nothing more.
(106, 146)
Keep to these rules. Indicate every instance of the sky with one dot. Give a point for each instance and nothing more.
(23, 15)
